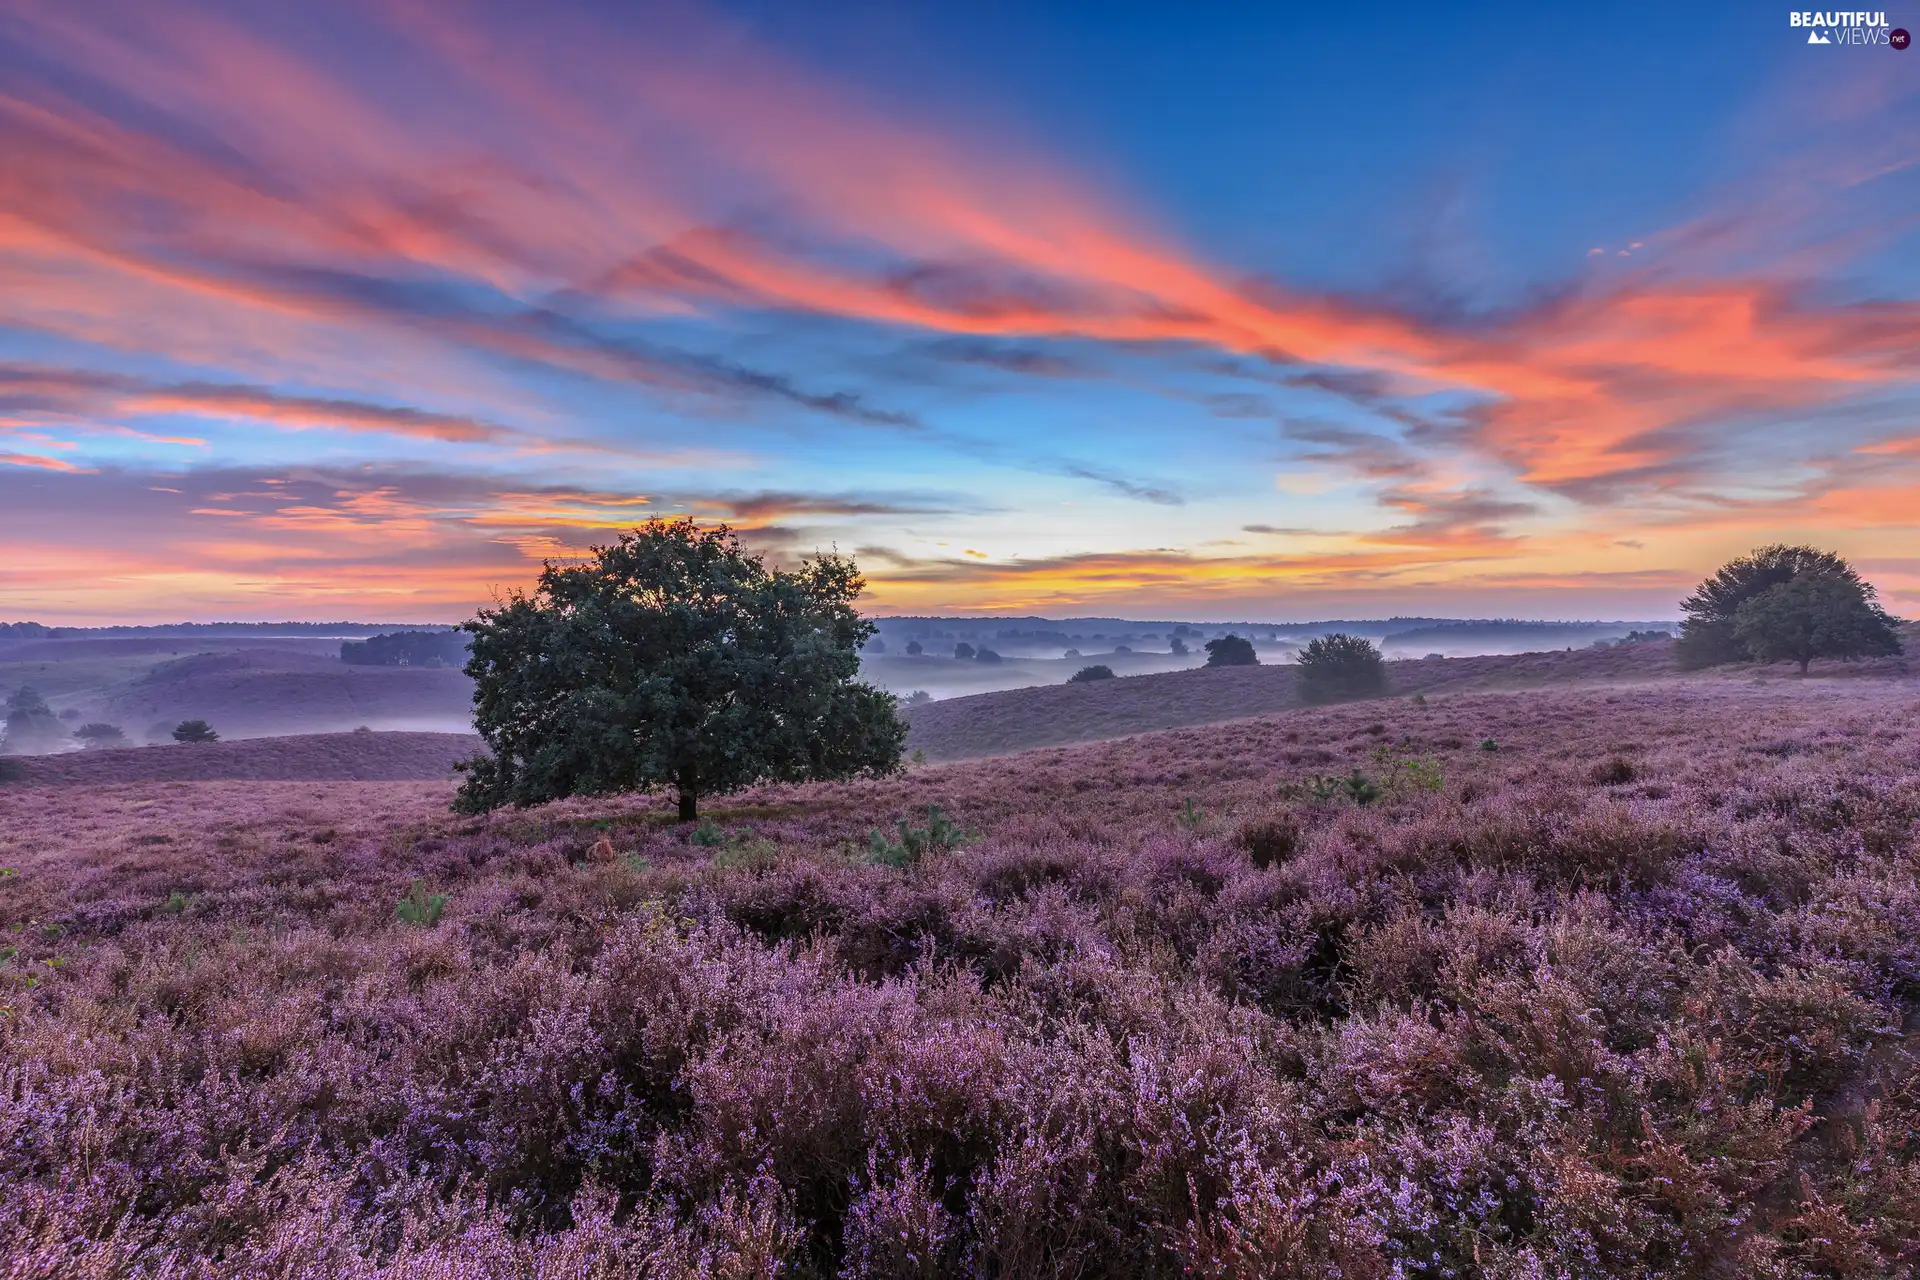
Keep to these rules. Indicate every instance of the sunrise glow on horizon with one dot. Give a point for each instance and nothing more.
(363, 310)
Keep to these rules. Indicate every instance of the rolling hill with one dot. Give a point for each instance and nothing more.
(309, 757)
(1019, 719)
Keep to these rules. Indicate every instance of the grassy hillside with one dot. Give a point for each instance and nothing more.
(994, 723)
(297, 758)
(1575, 981)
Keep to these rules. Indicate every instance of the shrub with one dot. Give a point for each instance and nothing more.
(1488, 744)
(1339, 666)
(420, 907)
(963, 651)
(1270, 841)
(194, 731)
(940, 835)
(674, 658)
(984, 654)
(1087, 675)
(1615, 772)
(914, 648)
(1231, 651)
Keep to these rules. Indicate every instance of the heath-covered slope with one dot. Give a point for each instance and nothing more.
(1595, 982)
(257, 692)
(1055, 715)
(370, 756)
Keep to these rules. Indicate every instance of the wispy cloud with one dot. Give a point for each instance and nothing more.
(560, 205)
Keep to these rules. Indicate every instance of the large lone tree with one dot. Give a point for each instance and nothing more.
(1815, 615)
(1783, 603)
(674, 658)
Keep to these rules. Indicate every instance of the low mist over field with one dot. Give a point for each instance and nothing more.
(261, 680)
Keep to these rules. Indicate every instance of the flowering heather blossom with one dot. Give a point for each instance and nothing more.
(1164, 1010)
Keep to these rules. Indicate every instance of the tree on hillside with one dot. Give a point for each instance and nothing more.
(1340, 666)
(1231, 651)
(963, 651)
(407, 649)
(194, 731)
(1814, 615)
(1707, 632)
(31, 725)
(674, 658)
(1087, 675)
(101, 735)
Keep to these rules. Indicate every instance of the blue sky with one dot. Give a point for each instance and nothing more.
(1251, 311)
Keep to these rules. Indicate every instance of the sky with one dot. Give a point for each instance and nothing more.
(1278, 312)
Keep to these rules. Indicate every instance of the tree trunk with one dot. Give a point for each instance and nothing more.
(689, 803)
(1803, 665)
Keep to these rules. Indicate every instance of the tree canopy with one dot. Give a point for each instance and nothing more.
(31, 725)
(1815, 615)
(194, 731)
(1783, 603)
(1707, 631)
(1231, 651)
(1341, 666)
(674, 658)
(100, 734)
(1087, 675)
(407, 649)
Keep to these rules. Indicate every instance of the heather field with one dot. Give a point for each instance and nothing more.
(1019, 719)
(1565, 982)
(307, 757)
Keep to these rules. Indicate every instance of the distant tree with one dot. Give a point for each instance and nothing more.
(875, 645)
(914, 649)
(918, 697)
(963, 651)
(1087, 675)
(31, 725)
(101, 735)
(1814, 615)
(1177, 645)
(194, 731)
(1071, 655)
(984, 654)
(1231, 651)
(1707, 632)
(675, 658)
(1122, 648)
(1340, 666)
(407, 649)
